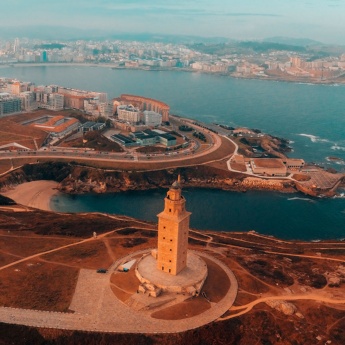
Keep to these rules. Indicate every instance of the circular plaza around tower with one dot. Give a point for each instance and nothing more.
(189, 280)
(169, 310)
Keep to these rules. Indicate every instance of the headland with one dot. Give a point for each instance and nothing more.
(283, 285)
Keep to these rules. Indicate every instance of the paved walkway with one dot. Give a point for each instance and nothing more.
(97, 309)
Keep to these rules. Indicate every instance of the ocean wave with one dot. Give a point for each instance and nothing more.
(314, 138)
(304, 199)
(339, 196)
(337, 147)
(335, 160)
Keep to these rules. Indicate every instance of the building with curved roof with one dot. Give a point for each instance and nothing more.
(144, 103)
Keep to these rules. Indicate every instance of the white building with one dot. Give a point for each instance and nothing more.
(51, 101)
(56, 101)
(128, 113)
(152, 119)
(106, 109)
(28, 101)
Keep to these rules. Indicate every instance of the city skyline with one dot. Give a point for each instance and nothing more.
(321, 20)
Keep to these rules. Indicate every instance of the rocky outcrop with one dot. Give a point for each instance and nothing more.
(76, 179)
(81, 180)
(284, 307)
(55, 171)
(336, 278)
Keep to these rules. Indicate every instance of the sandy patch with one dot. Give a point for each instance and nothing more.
(34, 194)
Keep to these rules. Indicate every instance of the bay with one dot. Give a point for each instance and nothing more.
(287, 216)
(312, 116)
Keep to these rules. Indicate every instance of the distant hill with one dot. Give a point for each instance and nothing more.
(262, 47)
(244, 47)
(70, 33)
(302, 42)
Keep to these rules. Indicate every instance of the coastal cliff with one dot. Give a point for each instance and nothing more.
(76, 179)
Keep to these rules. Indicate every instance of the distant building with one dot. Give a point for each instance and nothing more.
(44, 56)
(91, 126)
(152, 119)
(144, 103)
(9, 104)
(128, 113)
(28, 101)
(294, 164)
(52, 101)
(106, 109)
(124, 140)
(268, 167)
(149, 138)
(56, 126)
(74, 98)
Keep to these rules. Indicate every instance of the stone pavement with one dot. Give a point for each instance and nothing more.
(97, 309)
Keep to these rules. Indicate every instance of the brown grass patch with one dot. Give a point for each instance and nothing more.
(249, 284)
(119, 250)
(270, 272)
(90, 255)
(23, 246)
(50, 223)
(95, 140)
(6, 259)
(37, 285)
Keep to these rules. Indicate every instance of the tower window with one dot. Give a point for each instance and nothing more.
(169, 260)
(163, 238)
(169, 209)
(163, 227)
(171, 250)
(170, 240)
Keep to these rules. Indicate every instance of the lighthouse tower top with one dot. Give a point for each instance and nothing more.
(173, 228)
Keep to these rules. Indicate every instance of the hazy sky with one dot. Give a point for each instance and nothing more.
(322, 20)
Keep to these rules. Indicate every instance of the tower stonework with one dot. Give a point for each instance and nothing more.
(173, 229)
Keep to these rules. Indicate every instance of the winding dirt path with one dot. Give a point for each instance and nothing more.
(248, 307)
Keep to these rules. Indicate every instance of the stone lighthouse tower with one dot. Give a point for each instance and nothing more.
(173, 228)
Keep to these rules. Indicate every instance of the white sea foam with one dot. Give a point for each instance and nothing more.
(304, 199)
(314, 138)
(338, 161)
(339, 196)
(337, 147)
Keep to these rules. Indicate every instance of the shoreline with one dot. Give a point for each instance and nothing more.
(297, 80)
(36, 194)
